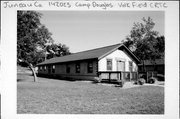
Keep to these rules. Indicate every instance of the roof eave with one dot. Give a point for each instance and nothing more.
(66, 61)
(137, 59)
(120, 45)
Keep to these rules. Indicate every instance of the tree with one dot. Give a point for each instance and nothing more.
(57, 50)
(31, 36)
(157, 47)
(145, 43)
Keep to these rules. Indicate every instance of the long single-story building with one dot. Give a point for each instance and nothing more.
(149, 66)
(88, 64)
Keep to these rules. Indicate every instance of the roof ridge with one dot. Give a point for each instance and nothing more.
(89, 50)
(97, 48)
(86, 51)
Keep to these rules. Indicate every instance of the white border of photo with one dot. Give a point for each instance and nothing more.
(9, 52)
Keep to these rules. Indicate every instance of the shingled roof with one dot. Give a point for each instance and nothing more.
(89, 54)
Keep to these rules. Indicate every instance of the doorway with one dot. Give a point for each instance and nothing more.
(121, 65)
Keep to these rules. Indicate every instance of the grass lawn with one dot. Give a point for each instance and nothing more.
(79, 97)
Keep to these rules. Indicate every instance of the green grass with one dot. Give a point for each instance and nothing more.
(78, 97)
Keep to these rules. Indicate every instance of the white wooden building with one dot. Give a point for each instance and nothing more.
(89, 64)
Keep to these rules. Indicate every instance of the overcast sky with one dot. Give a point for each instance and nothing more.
(84, 30)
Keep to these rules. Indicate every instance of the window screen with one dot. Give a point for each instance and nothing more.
(90, 67)
(78, 68)
(109, 64)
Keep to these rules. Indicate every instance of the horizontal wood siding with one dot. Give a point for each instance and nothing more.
(116, 56)
(60, 69)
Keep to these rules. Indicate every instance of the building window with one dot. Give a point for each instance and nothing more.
(44, 68)
(90, 67)
(40, 68)
(49, 68)
(53, 69)
(130, 66)
(67, 69)
(78, 68)
(109, 64)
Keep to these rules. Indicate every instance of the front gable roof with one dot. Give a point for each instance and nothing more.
(89, 54)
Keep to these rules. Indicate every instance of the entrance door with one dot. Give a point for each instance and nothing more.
(120, 67)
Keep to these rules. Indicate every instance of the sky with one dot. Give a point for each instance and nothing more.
(84, 30)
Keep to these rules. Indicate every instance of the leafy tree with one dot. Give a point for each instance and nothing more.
(160, 45)
(57, 50)
(157, 49)
(31, 36)
(145, 43)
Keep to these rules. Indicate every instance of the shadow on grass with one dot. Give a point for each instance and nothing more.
(24, 77)
(28, 77)
(70, 79)
(25, 74)
(24, 80)
(57, 78)
(20, 80)
(66, 79)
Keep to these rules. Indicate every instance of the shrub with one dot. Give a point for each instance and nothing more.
(120, 83)
(136, 82)
(141, 81)
(151, 80)
(97, 80)
(160, 77)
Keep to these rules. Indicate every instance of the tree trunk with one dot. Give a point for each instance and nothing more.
(33, 72)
